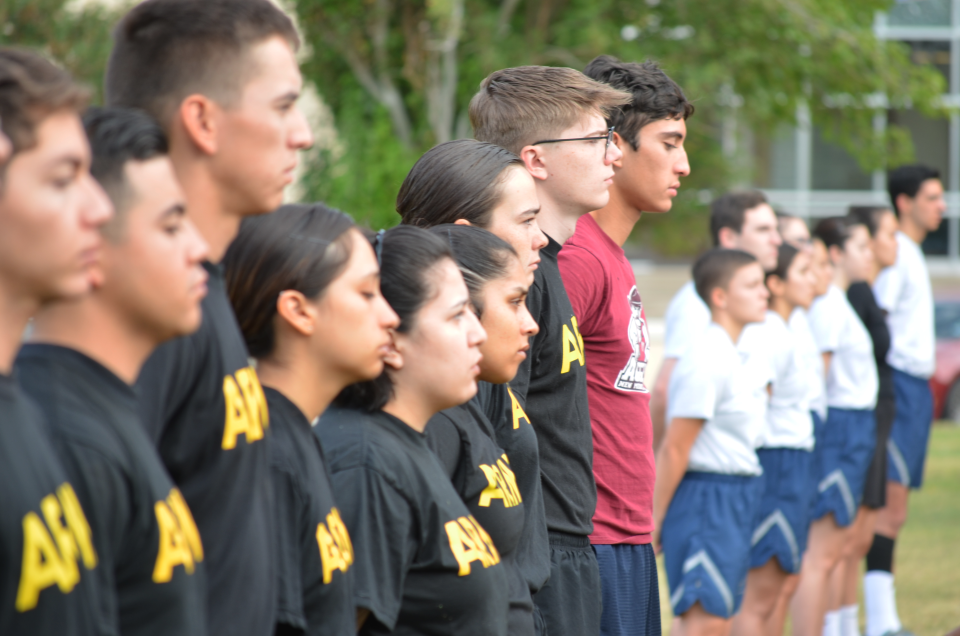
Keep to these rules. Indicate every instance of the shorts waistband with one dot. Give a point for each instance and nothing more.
(722, 478)
(568, 540)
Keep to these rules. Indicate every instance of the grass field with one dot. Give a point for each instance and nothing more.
(928, 551)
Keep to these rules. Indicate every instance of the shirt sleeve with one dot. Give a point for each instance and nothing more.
(167, 379)
(380, 522)
(888, 285)
(443, 438)
(521, 382)
(824, 323)
(288, 523)
(687, 316)
(694, 388)
(582, 278)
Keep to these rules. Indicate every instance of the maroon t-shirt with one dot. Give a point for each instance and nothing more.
(616, 343)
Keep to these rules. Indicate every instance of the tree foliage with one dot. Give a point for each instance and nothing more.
(398, 76)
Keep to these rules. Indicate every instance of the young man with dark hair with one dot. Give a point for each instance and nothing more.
(148, 290)
(222, 79)
(553, 119)
(709, 485)
(599, 279)
(50, 210)
(904, 292)
(738, 220)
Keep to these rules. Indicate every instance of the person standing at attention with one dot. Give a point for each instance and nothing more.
(603, 292)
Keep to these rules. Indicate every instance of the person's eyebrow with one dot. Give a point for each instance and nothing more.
(520, 289)
(288, 98)
(530, 212)
(177, 209)
(460, 305)
(672, 134)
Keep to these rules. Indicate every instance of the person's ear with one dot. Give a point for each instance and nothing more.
(294, 308)
(462, 222)
(776, 285)
(727, 238)
(535, 162)
(622, 144)
(904, 203)
(198, 117)
(394, 356)
(718, 297)
(836, 254)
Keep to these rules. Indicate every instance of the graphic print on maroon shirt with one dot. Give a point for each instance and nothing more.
(632, 377)
(603, 292)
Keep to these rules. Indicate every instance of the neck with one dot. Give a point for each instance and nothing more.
(910, 227)
(303, 381)
(733, 327)
(874, 272)
(781, 307)
(15, 312)
(840, 279)
(96, 330)
(558, 221)
(409, 408)
(618, 218)
(206, 204)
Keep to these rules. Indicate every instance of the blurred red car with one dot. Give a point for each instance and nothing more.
(945, 383)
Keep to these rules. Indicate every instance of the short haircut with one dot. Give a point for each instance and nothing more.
(716, 267)
(408, 258)
(868, 215)
(785, 255)
(730, 209)
(907, 180)
(516, 107)
(482, 257)
(299, 247)
(458, 179)
(166, 50)
(655, 95)
(836, 231)
(117, 136)
(31, 89)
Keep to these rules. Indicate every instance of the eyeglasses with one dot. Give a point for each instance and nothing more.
(378, 245)
(608, 137)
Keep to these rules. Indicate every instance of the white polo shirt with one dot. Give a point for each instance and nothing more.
(852, 381)
(809, 352)
(904, 291)
(789, 424)
(687, 316)
(715, 382)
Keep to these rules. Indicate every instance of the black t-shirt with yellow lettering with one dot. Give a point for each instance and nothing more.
(516, 437)
(149, 549)
(203, 405)
(314, 551)
(422, 563)
(47, 587)
(463, 440)
(552, 387)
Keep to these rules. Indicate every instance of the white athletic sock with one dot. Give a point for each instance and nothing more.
(880, 601)
(831, 624)
(849, 620)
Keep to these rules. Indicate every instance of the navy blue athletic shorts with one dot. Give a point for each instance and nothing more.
(849, 439)
(786, 509)
(631, 591)
(907, 445)
(706, 540)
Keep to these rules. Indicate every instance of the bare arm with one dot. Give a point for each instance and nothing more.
(672, 461)
(658, 401)
(827, 357)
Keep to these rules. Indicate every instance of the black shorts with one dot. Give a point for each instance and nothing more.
(875, 489)
(569, 602)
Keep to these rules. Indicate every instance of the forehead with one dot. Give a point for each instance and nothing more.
(665, 126)
(272, 63)
(931, 187)
(760, 215)
(588, 122)
(60, 135)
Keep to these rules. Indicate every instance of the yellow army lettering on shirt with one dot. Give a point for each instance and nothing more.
(179, 538)
(572, 346)
(502, 484)
(470, 542)
(52, 546)
(247, 412)
(517, 410)
(336, 550)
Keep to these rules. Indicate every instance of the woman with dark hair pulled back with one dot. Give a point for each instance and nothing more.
(304, 284)
(468, 182)
(424, 564)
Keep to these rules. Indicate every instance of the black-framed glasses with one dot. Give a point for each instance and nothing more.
(378, 245)
(608, 137)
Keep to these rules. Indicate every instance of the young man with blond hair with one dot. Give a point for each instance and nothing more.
(553, 119)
